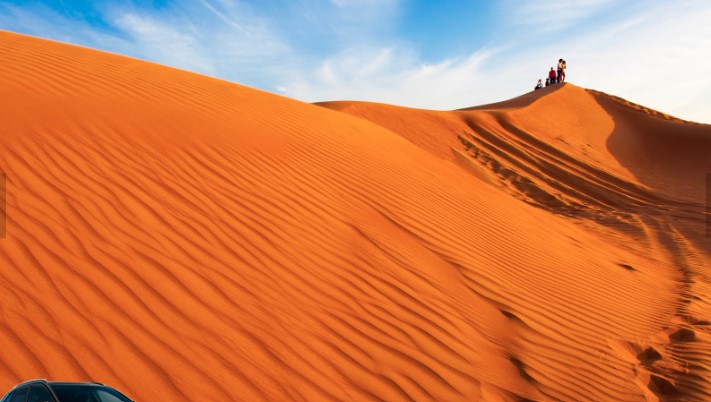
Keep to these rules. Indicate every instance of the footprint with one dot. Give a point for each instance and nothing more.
(627, 267)
(510, 315)
(661, 386)
(521, 369)
(682, 335)
(649, 355)
(697, 321)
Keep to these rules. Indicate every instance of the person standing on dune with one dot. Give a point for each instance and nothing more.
(552, 76)
(561, 72)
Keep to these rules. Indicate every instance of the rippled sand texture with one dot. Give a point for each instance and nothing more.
(188, 239)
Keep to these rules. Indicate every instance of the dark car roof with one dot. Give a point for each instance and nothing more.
(42, 381)
(59, 382)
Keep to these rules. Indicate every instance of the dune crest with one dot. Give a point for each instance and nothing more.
(185, 238)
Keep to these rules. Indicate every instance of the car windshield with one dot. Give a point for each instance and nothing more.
(87, 393)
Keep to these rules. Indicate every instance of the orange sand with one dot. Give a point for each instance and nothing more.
(187, 239)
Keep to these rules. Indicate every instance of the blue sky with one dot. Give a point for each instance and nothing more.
(431, 54)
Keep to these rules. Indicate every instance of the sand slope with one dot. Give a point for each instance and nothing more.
(185, 238)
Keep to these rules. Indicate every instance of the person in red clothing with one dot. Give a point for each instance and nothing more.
(552, 76)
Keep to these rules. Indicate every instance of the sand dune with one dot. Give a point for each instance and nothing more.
(185, 238)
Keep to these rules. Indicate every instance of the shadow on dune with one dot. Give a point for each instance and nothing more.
(669, 156)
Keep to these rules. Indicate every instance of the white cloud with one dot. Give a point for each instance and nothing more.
(551, 15)
(367, 7)
(225, 18)
(395, 75)
(160, 42)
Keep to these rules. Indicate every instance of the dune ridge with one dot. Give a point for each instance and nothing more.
(185, 238)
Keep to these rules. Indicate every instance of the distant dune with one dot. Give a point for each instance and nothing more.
(184, 238)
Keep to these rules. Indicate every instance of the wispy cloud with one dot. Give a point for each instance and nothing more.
(394, 74)
(158, 41)
(551, 15)
(219, 38)
(366, 10)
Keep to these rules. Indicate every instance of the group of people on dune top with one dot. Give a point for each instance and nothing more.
(554, 76)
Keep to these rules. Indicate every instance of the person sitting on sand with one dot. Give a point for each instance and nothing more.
(552, 76)
(539, 85)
